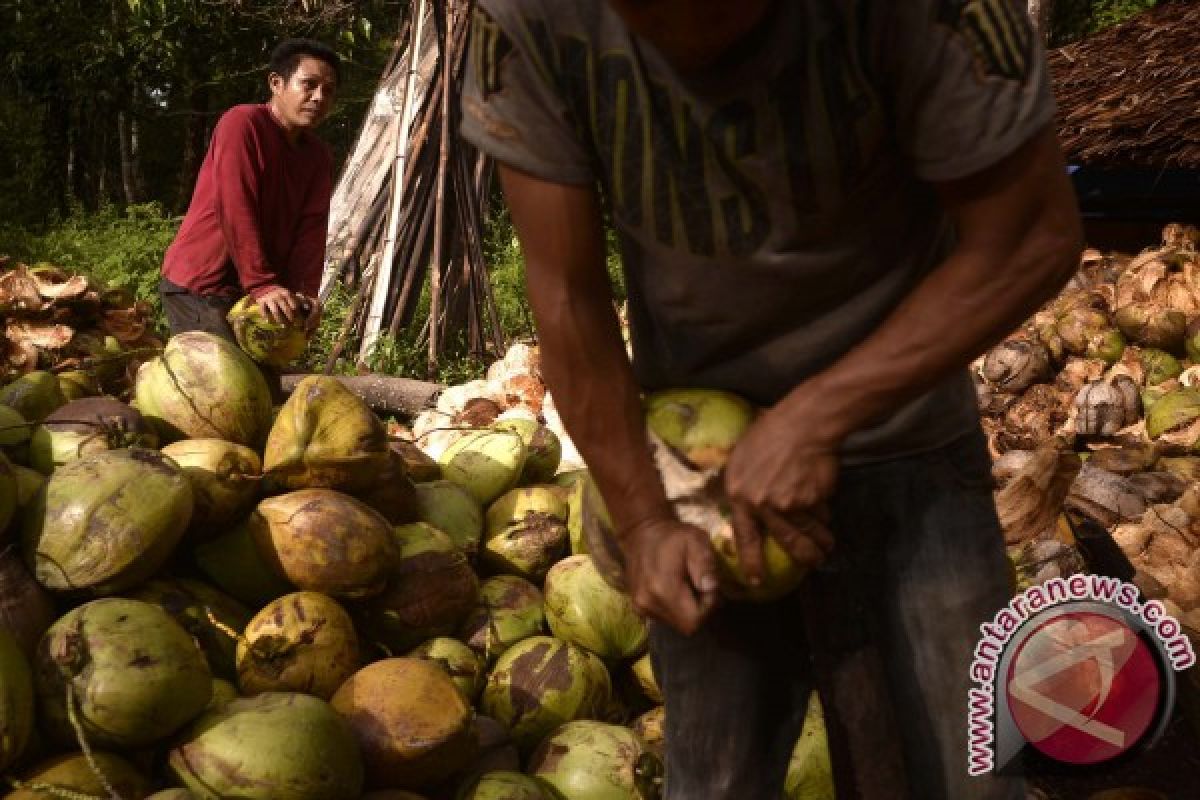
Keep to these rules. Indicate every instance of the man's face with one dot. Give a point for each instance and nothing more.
(303, 100)
(691, 34)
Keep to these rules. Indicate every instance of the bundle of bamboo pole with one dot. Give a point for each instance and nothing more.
(409, 206)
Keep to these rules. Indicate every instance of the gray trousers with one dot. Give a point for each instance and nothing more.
(885, 632)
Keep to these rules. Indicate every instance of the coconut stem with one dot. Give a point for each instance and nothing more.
(225, 629)
(84, 747)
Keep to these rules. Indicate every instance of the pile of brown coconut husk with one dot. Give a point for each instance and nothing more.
(1093, 407)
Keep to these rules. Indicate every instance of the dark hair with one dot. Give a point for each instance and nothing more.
(287, 54)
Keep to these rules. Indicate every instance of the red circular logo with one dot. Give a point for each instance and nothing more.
(1083, 687)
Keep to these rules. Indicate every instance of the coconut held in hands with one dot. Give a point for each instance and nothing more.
(275, 344)
(693, 432)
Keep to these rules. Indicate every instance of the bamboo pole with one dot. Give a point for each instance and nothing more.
(435, 267)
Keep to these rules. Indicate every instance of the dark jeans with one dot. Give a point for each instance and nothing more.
(193, 312)
(885, 632)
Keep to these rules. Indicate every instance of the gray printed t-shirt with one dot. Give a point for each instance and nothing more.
(771, 213)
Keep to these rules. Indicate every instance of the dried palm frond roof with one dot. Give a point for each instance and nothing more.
(1130, 96)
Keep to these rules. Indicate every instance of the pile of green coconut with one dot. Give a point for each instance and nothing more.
(205, 596)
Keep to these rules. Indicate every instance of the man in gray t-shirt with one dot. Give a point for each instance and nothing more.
(828, 207)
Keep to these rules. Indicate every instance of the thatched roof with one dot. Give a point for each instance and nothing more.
(1130, 96)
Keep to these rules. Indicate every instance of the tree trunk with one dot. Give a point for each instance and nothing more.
(385, 394)
(1039, 12)
(127, 138)
(194, 145)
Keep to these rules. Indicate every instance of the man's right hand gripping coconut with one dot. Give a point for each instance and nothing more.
(827, 209)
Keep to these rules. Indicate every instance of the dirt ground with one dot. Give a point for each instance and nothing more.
(1171, 767)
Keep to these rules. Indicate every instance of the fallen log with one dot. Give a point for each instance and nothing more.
(385, 394)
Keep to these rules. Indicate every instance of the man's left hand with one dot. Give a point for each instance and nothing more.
(779, 478)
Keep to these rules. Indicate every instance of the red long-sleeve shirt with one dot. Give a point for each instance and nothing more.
(259, 211)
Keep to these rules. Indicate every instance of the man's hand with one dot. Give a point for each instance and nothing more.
(778, 479)
(280, 305)
(671, 570)
(315, 311)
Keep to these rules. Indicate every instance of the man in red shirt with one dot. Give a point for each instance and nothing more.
(256, 224)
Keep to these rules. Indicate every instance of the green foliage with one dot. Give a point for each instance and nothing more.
(1075, 18)
(117, 248)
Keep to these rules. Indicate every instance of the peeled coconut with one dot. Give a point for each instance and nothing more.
(510, 609)
(582, 608)
(430, 590)
(542, 449)
(273, 746)
(542, 682)
(526, 532)
(275, 344)
(240, 566)
(810, 772)
(16, 700)
(302, 642)
(326, 437)
(204, 387)
(133, 673)
(701, 425)
(588, 760)
(224, 479)
(411, 722)
(73, 773)
(453, 510)
(506, 786)
(33, 395)
(107, 522)
(89, 425)
(487, 463)
(26, 610)
(464, 666)
(325, 541)
(204, 612)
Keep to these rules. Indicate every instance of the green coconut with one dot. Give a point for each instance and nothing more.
(701, 425)
(411, 722)
(223, 694)
(781, 575)
(810, 771)
(209, 615)
(464, 666)
(505, 786)
(134, 675)
(9, 494)
(15, 433)
(453, 510)
(543, 450)
(430, 590)
(325, 541)
(224, 479)
(73, 773)
(26, 609)
(204, 387)
(275, 344)
(589, 760)
(236, 563)
(582, 608)
(273, 746)
(526, 532)
(326, 436)
(1159, 366)
(643, 674)
(33, 395)
(82, 427)
(1175, 412)
(77, 384)
(1151, 324)
(16, 700)
(302, 642)
(29, 483)
(487, 463)
(496, 752)
(106, 522)
(173, 794)
(510, 609)
(585, 506)
(542, 682)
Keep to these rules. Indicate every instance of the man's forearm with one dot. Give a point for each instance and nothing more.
(587, 371)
